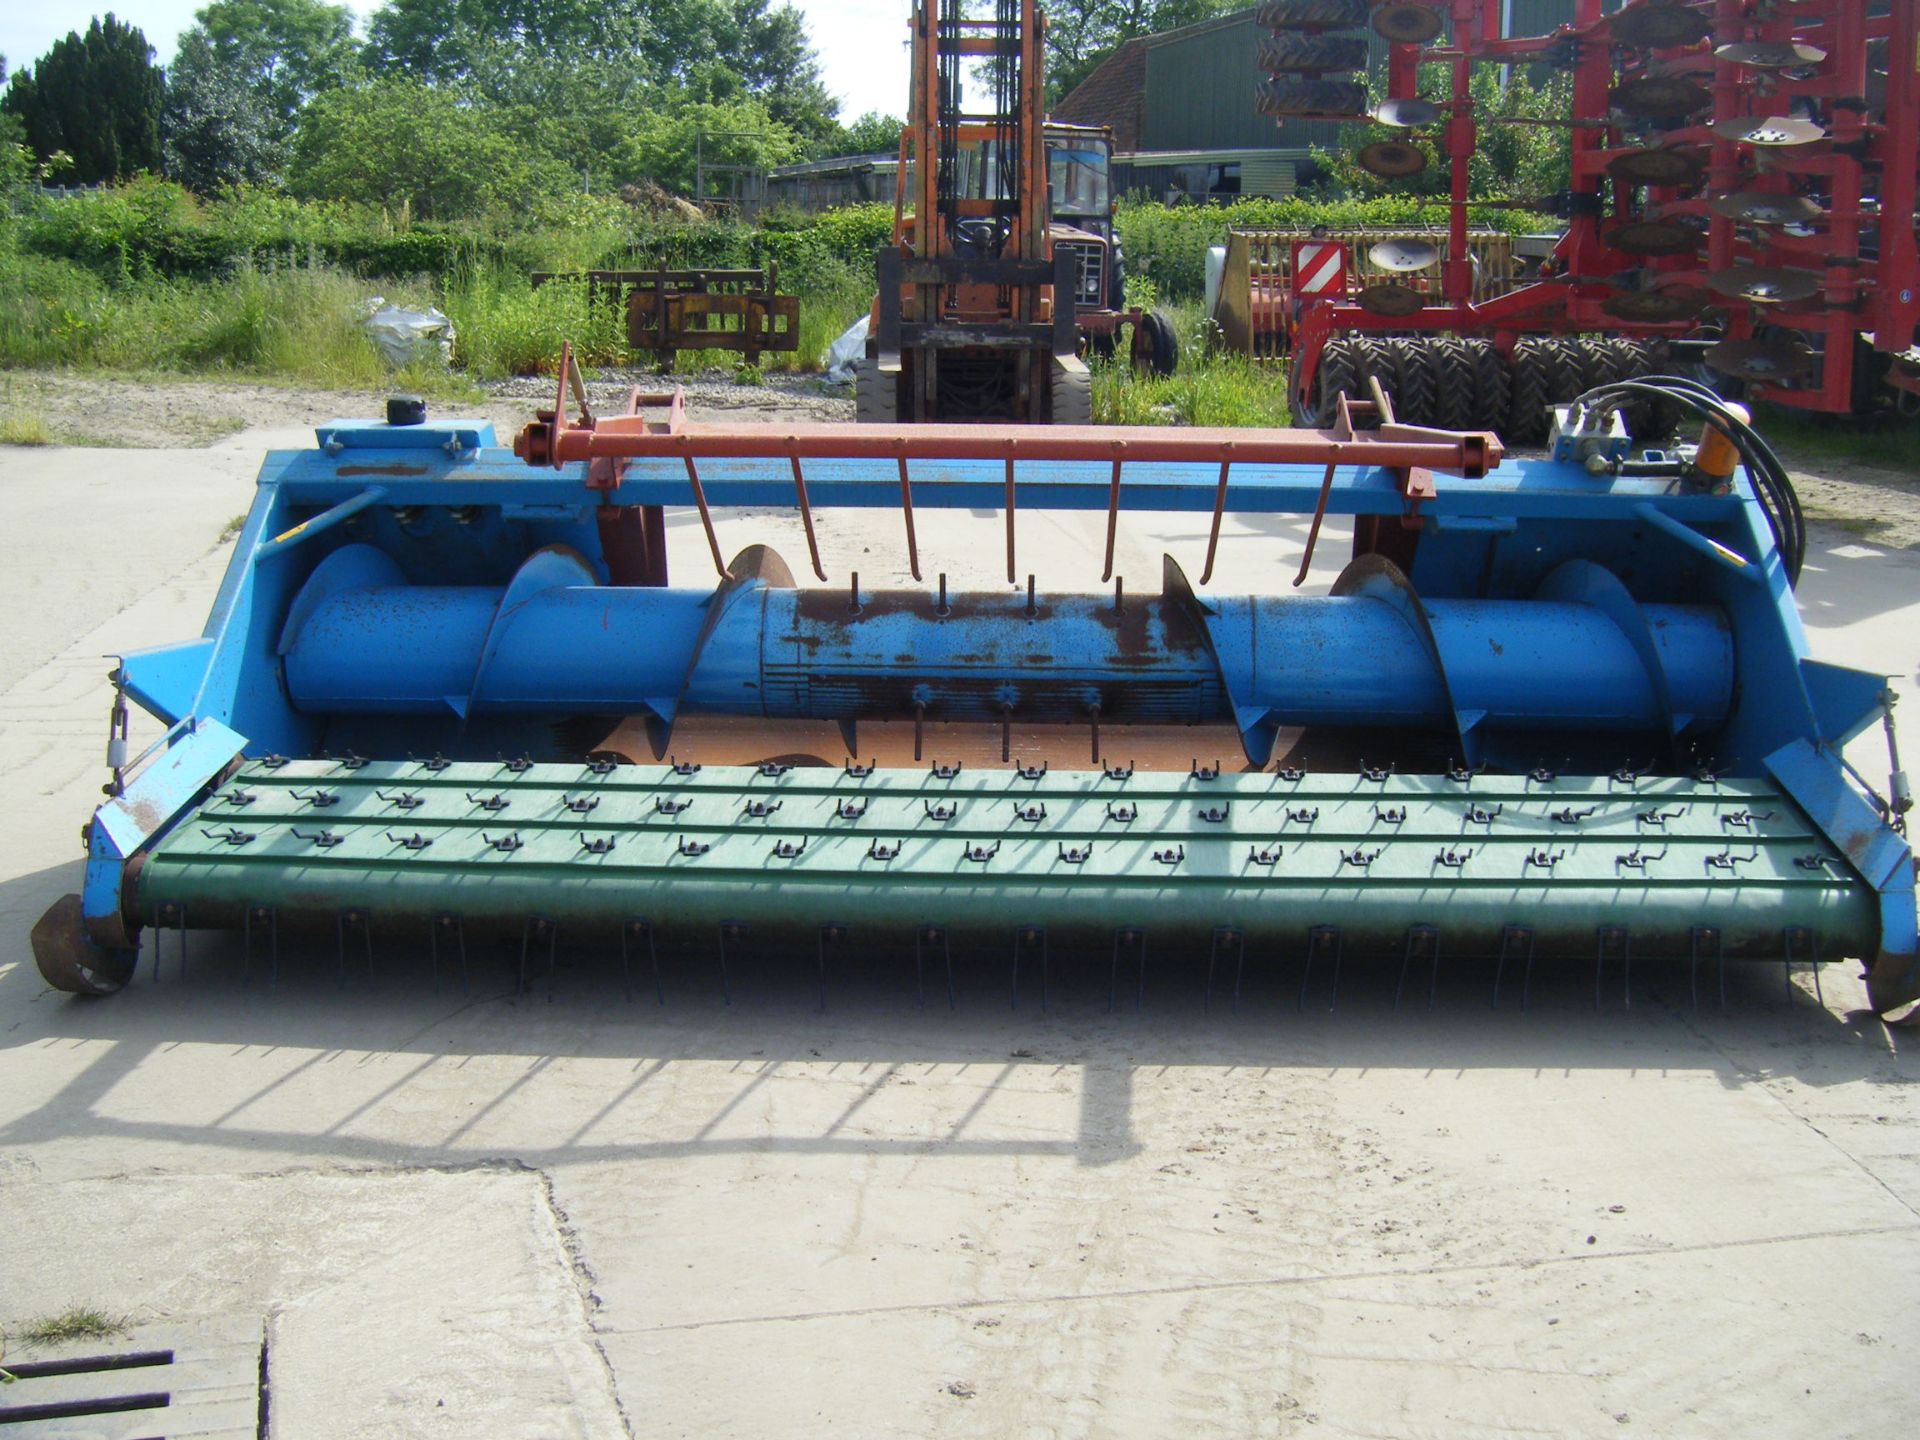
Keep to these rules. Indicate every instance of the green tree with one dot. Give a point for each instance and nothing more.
(1082, 33)
(97, 97)
(715, 51)
(872, 134)
(285, 51)
(417, 149)
(662, 146)
(216, 129)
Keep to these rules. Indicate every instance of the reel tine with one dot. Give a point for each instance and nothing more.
(734, 930)
(831, 933)
(1223, 936)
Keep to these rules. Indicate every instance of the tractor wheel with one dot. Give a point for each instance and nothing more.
(72, 960)
(1452, 383)
(1311, 97)
(1293, 52)
(1312, 14)
(1566, 378)
(1157, 347)
(1492, 386)
(1414, 393)
(1371, 363)
(1529, 394)
(876, 397)
(1337, 374)
(1072, 396)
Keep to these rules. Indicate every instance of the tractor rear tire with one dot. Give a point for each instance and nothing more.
(1453, 383)
(1072, 396)
(1337, 374)
(876, 397)
(1414, 398)
(1157, 345)
(1529, 394)
(1312, 14)
(1312, 97)
(1492, 386)
(1293, 52)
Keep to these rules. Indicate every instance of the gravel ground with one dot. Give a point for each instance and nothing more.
(169, 413)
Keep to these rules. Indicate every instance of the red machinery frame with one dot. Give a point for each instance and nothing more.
(1872, 294)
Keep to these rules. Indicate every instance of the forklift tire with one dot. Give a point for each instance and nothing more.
(1157, 346)
(1072, 396)
(876, 397)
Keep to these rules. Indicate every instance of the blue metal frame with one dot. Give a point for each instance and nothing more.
(447, 507)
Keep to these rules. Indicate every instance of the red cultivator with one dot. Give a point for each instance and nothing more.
(1743, 187)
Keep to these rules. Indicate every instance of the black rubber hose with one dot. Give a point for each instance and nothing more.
(1771, 483)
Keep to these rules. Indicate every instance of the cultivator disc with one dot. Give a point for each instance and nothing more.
(1670, 169)
(1772, 54)
(1394, 301)
(1407, 114)
(1655, 307)
(1761, 285)
(1404, 256)
(1770, 131)
(1660, 98)
(1774, 361)
(1655, 237)
(1660, 27)
(1407, 24)
(1391, 159)
(1758, 209)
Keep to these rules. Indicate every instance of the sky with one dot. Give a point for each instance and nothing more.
(861, 43)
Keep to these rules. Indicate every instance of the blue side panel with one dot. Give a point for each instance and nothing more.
(1819, 787)
(1845, 701)
(164, 680)
(152, 802)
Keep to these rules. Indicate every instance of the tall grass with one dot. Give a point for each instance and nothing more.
(295, 323)
(1206, 389)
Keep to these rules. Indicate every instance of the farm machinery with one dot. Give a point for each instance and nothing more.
(1742, 199)
(1558, 711)
(985, 297)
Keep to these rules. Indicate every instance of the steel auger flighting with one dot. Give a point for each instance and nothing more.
(1551, 710)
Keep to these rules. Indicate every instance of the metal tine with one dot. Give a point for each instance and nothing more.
(735, 930)
(536, 926)
(1612, 934)
(1127, 935)
(906, 506)
(1705, 935)
(1420, 937)
(452, 925)
(1224, 935)
(637, 926)
(270, 917)
(1023, 937)
(1509, 936)
(364, 921)
(1788, 937)
(1319, 937)
(806, 514)
(834, 933)
(924, 936)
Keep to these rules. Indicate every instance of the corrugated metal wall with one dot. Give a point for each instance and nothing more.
(1200, 91)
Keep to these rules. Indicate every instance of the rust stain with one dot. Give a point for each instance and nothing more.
(398, 472)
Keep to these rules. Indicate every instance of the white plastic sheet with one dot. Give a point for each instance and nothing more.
(846, 352)
(403, 336)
